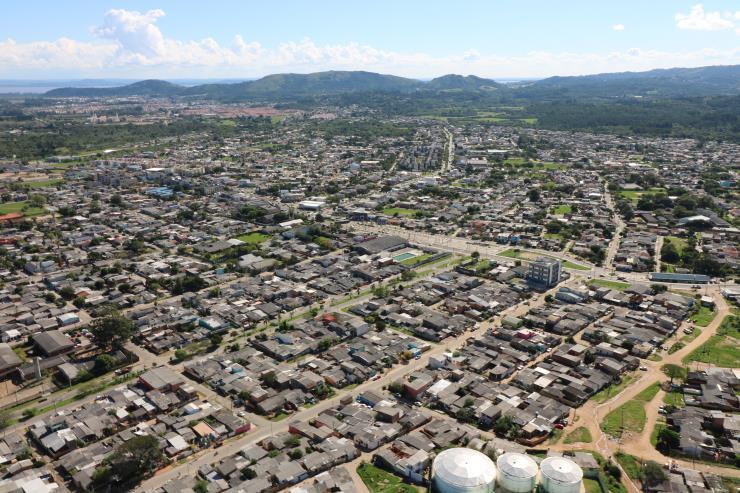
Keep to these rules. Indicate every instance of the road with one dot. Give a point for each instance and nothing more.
(658, 247)
(611, 252)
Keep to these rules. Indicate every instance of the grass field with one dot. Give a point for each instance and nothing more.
(398, 211)
(530, 256)
(630, 416)
(410, 262)
(630, 464)
(606, 393)
(591, 486)
(603, 283)
(679, 243)
(562, 209)
(43, 183)
(379, 481)
(254, 238)
(579, 435)
(722, 349)
(704, 316)
(22, 207)
(634, 195)
(674, 399)
(655, 432)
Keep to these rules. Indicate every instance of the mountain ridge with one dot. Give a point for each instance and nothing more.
(699, 81)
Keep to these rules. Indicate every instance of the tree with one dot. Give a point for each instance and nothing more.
(67, 292)
(103, 364)
(112, 330)
(132, 461)
(533, 195)
(506, 427)
(589, 357)
(201, 486)
(181, 355)
(216, 339)
(654, 474)
(668, 440)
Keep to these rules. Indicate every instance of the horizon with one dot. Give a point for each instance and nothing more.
(170, 40)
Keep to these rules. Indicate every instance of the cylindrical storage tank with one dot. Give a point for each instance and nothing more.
(463, 470)
(517, 473)
(561, 475)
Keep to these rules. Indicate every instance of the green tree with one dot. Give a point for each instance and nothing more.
(132, 461)
(112, 330)
(668, 440)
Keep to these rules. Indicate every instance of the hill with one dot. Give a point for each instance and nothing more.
(453, 82)
(151, 87)
(701, 81)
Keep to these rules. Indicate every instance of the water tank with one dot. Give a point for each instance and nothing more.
(463, 470)
(560, 475)
(517, 473)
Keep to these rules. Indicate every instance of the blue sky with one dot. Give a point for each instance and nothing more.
(494, 38)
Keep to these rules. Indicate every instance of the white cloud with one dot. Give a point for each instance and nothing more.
(700, 20)
(618, 27)
(130, 44)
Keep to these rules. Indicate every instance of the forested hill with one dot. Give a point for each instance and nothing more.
(666, 83)
(676, 82)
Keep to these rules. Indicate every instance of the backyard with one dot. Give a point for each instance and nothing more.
(379, 481)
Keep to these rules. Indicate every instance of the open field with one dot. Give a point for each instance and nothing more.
(631, 415)
(530, 256)
(379, 481)
(603, 283)
(22, 207)
(398, 211)
(634, 195)
(579, 435)
(254, 238)
(562, 209)
(722, 349)
(704, 316)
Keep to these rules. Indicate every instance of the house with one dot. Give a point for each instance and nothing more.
(9, 361)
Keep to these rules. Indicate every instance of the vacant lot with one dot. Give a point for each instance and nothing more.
(379, 481)
(630, 416)
(722, 349)
(603, 283)
(704, 316)
(579, 435)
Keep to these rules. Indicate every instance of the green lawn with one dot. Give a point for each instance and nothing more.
(676, 347)
(379, 481)
(254, 238)
(630, 416)
(579, 435)
(562, 209)
(704, 316)
(679, 243)
(608, 392)
(398, 211)
(410, 262)
(603, 283)
(23, 207)
(634, 195)
(679, 372)
(44, 183)
(655, 432)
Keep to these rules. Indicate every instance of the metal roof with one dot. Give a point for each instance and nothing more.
(517, 465)
(464, 467)
(561, 470)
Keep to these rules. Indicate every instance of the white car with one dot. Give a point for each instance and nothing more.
(643, 368)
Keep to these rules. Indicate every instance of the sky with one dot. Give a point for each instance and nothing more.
(53, 39)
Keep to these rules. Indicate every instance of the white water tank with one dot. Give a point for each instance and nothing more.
(561, 475)
(517, 473)
(463, 470)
